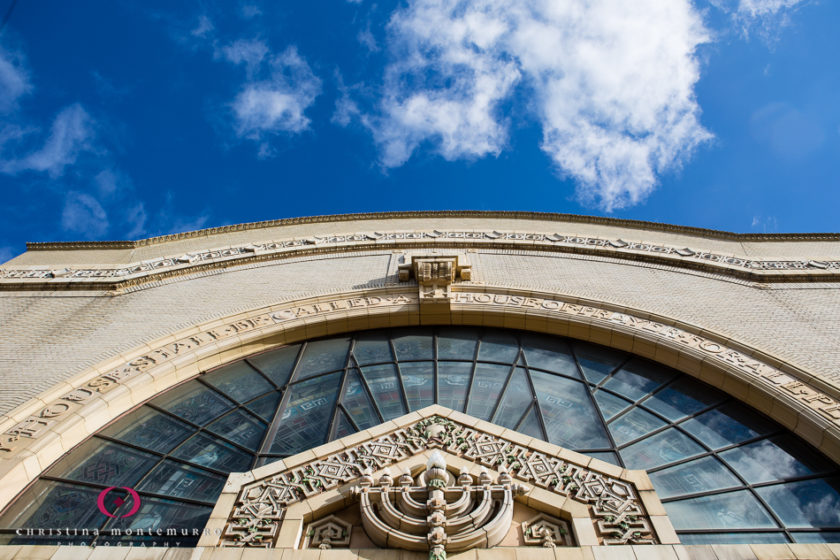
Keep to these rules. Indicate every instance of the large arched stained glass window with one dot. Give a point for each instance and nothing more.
(724, 472)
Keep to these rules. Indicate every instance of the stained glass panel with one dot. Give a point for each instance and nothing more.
(183, 481)
(487, 384)
(207, 451)
(637, 379)
(277, 365)
(665, 447)
(194, 402)
(694, 477)
(634, 425)
(596, 361)
(357, 403)
(517, 398)
(551, 354)
(373, 348)
(457, 344)
(322, 356)
(239, 427)
(104, 463)
(419, 381)
(563, 403)
(733, 510)
(239, 381)
(809, 503)
(149, 429)
(453, 384)
(410, 346)
(303, 421)
(385, 387)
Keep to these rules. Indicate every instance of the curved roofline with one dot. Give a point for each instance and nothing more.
(546, 216)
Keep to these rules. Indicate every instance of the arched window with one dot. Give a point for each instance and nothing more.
(724, 472)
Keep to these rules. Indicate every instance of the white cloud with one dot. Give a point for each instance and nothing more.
(250, 52)
(766, 17)
(203, 27)
(14, 80)
(758, 8)
(276, 104)
(84, 215)
(72, 133)
(611, 82)
(367, 40)
(250, 11)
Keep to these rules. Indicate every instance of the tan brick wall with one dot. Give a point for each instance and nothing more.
(46, 337)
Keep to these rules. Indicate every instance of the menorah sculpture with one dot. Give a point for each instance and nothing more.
(435, 512)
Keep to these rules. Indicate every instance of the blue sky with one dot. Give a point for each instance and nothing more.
(123, 120)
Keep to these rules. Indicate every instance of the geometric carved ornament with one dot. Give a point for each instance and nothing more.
(615, 508)
(327, 533)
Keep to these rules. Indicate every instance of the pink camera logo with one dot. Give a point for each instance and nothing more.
(100, 501)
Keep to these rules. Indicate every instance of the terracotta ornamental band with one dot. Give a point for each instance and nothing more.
(752, 269)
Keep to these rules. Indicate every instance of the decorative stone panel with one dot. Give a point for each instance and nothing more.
(616, 511)
(547, 531)
(329, 532)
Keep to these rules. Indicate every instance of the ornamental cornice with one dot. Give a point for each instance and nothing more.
(122, 277)
(491, 214)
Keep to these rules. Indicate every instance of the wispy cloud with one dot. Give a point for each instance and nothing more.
(789, 133)
(250, 11)
(14, 80)
(116, 191)
(203, 27)
(135, 220)
(84, 215)
(72, 133)
(170, 218)
(250, 52)
(6, 253)
(276, 104)
(765, 17)
(760, 8)
(367, 40)
(766, 224)
(610, 81)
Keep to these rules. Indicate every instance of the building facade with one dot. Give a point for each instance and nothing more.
(430, 385)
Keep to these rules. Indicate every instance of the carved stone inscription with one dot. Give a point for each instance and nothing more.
(616, 510)
(825, 405)
(37, 424)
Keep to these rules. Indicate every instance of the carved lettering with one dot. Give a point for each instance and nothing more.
(100, 384)
(832, 412)
(53, 410)
(78, 395)
(32, 427)
(711, 347)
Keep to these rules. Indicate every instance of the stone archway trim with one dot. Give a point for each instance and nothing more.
(37, 433)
